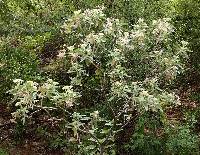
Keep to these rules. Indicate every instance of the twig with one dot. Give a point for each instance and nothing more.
(49, 108)
(31, 115)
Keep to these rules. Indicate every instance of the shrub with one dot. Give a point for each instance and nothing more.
(27, 29)
(116, 68)
(182, 141)
(148, 135)
(186, 20)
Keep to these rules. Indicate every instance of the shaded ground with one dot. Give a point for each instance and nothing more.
(30, 145)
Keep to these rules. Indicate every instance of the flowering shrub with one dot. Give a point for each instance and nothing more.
(29, 95)
(118, 52)
(127, 65)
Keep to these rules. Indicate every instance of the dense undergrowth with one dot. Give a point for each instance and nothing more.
(100, 77)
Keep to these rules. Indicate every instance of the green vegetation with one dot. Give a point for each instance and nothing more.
(100, 76)
(3, 152)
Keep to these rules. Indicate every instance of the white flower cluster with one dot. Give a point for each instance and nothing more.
(124, 40)
(136, 35)
(137, 97)
(30, 95)
(72, 23)
(93, 38)
(112, 26)
(162, 28)
(90, 16)
(148, 102)
(113, 45)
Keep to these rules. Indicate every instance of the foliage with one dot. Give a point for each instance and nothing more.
(182, 141)
(172, 140)
(3, 152)
(186, 19)
(115, 66)
(29, 95)
(112, 51)
(108, 50)
(147, 137)
(27, 31)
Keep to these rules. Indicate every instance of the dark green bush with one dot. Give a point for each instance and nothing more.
(181, 140)
(186, 19)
